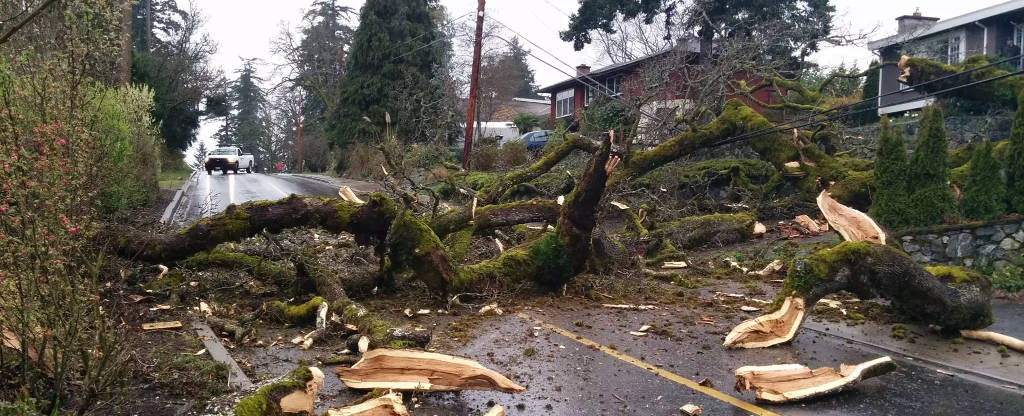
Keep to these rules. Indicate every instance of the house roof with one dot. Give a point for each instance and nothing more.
(530, 100)
(953, 22)
(610, 69)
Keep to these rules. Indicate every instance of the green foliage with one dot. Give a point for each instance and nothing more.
(526, 122)
(387, 55)
(891, 203)
(513, 153)
(928, 173)
(1015, 160)
(128, 138)
(605, 114)
(553, 264)
(1010, 279)
(984, 192)
(867, 114)
(247, 127)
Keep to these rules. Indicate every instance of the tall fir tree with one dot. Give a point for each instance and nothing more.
(517, 53)
(984, 193)
(928, 173)
(1015, 160)
(199, 156)
(891, 203)
(247, 126)
(395, 52)
(867, 113)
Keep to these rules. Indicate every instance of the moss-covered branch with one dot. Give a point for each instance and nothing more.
(492, 216)
(572, 142)
(694, 232)
(922, 70)
(951, 297)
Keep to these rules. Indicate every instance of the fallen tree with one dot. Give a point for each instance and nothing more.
(951, 297)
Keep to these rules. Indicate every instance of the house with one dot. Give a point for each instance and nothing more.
(508, 112)
(995, 31)
(664, 94)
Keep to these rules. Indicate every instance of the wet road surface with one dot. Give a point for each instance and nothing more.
(211, 194)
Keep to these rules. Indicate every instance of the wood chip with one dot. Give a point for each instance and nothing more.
(619, 205)
(746, 308)
(807, 223)
(690, 409)
(637, 333)
(491, 309)
(160, 308)
(560, 200)
(760, 229)
(423, 312)
(364, 344)
(387, 405)
(136, 298)
(673, 265)
(644, 328)
(408, 312)
(161, 325)
(346, 193)
(631, 307)
(771, 329)
(497, 410)
(200, 352)
(411, 370)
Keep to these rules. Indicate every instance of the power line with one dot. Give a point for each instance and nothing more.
(431, 43)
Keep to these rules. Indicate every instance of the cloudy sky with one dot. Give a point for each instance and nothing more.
(244, 28)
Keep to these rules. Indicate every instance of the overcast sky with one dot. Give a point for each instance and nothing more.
(244, 28)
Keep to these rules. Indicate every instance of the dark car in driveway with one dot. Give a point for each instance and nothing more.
(536, 139)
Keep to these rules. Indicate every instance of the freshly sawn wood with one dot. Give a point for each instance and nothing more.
(771, 329)
(793, 382)
(387, 405)
(410, 370)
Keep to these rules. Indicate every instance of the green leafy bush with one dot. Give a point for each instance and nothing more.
(891, 203)
(984, 192)
(129, 140)
(526, 122)
(513, 153)
(1010, 279)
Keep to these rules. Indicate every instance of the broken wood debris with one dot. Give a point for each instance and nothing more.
(296, 392)
(619, 205)
(363, 345)
(631, 307)
(774, 267)
(637, 333)
(808, 224)
(746, 308)
(771, 329)
(346, 193)
(149, 326)
(410, 370)
(782, 383)
(995, 338)
(759, 229)
(690, 409)
(734, 264)
(852, 224)
(673, 265)
(497, 410)
(389, 404)
(491, 309)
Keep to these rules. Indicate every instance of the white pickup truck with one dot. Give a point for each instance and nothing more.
(228, 158)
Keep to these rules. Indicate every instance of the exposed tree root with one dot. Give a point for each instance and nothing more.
(995, 338)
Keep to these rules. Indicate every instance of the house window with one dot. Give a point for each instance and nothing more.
(954, 49)
(564, 103)
(613, 86)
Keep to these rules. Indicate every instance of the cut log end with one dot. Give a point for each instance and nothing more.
(783, 383)
(775, 328)
(853, 225)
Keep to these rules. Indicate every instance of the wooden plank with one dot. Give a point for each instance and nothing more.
(149, 326)
(236, 378)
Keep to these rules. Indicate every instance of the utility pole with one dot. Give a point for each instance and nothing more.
(298, 137)
(473, 81)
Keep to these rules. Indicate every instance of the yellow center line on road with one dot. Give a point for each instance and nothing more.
(649, 367)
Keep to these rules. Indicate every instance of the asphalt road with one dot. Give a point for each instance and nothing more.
(213, 193)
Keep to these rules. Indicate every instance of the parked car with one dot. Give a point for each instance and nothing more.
(536, 139)
(228, 158)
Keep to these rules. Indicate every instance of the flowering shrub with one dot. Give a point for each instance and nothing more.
(61, 145)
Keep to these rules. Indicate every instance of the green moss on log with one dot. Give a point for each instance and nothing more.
(260, 268)
(855, 190)
(699, 231)
(295, 314)
(266, 400)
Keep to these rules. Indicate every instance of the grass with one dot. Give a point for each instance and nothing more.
(174, 176)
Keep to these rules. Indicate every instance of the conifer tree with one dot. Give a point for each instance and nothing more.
(984, 191)
(869, 90)
(1015, 159)
(891, 203)
(928, 173)
(394, 55)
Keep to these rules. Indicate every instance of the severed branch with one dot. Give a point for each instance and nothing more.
(10, 32)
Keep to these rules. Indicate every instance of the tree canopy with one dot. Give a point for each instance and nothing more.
(392, 62)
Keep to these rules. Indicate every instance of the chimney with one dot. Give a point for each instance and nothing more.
(914, 23)
(582, 69)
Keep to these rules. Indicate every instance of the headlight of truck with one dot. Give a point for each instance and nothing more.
(207, 160)
(232, 159)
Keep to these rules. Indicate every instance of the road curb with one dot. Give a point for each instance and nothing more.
(176, 201)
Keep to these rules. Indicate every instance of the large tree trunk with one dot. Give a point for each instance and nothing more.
(951, 297)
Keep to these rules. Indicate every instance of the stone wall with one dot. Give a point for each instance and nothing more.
(977, 245)
(862, 141)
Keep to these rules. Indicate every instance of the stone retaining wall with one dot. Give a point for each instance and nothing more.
(862, 141)
(994, 244)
